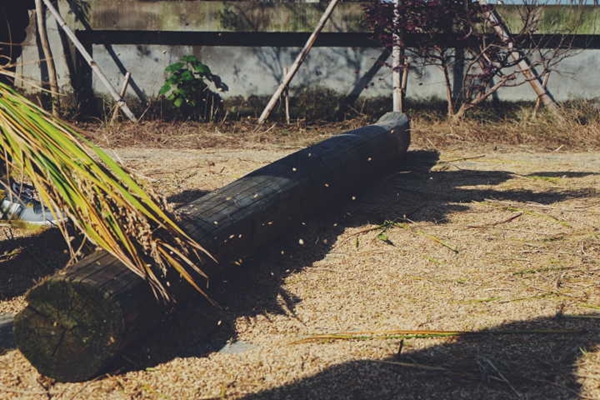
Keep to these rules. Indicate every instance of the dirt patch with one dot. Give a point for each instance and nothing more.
(501, 245)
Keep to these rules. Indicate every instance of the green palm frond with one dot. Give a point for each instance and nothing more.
(100, 198)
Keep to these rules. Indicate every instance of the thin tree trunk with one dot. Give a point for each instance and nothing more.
(467, 106)
(448, 83)
(538, 102)
(48, 59)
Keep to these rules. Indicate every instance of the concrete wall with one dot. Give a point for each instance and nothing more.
(257, 70)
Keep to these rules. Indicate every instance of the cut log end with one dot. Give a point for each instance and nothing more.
(69, 331)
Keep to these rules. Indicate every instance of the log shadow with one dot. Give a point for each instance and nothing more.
(6, 336)
(480, 365)
(186, 196)
(255, 287)
(24, 261)
(422, 195)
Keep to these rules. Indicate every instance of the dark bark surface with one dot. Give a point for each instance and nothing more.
(80, 319)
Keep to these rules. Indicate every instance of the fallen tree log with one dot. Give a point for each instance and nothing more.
(80, 319)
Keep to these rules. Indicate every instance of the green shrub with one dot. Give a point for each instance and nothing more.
(187, 88)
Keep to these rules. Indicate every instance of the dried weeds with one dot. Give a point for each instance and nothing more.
(521, 256)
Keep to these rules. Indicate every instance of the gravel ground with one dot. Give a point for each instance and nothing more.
(503, 246)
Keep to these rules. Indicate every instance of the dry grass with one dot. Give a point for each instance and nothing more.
(544, 135)
(518, 127)
(482, 240)
(195, 135)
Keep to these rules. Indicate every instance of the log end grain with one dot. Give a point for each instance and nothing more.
(69, 331)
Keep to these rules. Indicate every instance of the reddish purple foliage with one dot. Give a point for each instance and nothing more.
(429, 18)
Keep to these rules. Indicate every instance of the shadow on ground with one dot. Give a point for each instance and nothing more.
(26, 260)
(185, 197)
(489, 364)
(537, 366)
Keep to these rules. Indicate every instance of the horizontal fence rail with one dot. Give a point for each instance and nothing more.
(297, 39)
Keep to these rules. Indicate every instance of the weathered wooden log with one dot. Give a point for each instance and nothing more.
(80, 319)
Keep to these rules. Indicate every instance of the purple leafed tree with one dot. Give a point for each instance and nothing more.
(458, 36)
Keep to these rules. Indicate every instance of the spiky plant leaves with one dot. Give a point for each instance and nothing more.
(97, 195)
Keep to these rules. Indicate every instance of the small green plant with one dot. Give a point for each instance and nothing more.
(187, 87)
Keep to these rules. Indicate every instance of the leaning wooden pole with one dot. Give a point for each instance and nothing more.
(299, 60)
(48, 58)
(79, 320)
(122, 93)
(88, 58)
(527, 69)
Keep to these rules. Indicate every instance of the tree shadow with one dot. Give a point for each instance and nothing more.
(81, 10)
(254, 287)
(24, 261)
(6, 335)
(257, 17)
(525, 359)
(421, 195)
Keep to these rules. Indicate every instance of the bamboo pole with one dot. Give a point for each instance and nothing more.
(48, 57)
(404, 86)
(299, 60)
(286, 98)
(122, 94)
(88, 58)
(528, 70)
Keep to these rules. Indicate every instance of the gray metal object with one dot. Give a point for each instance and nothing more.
(6, 332)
